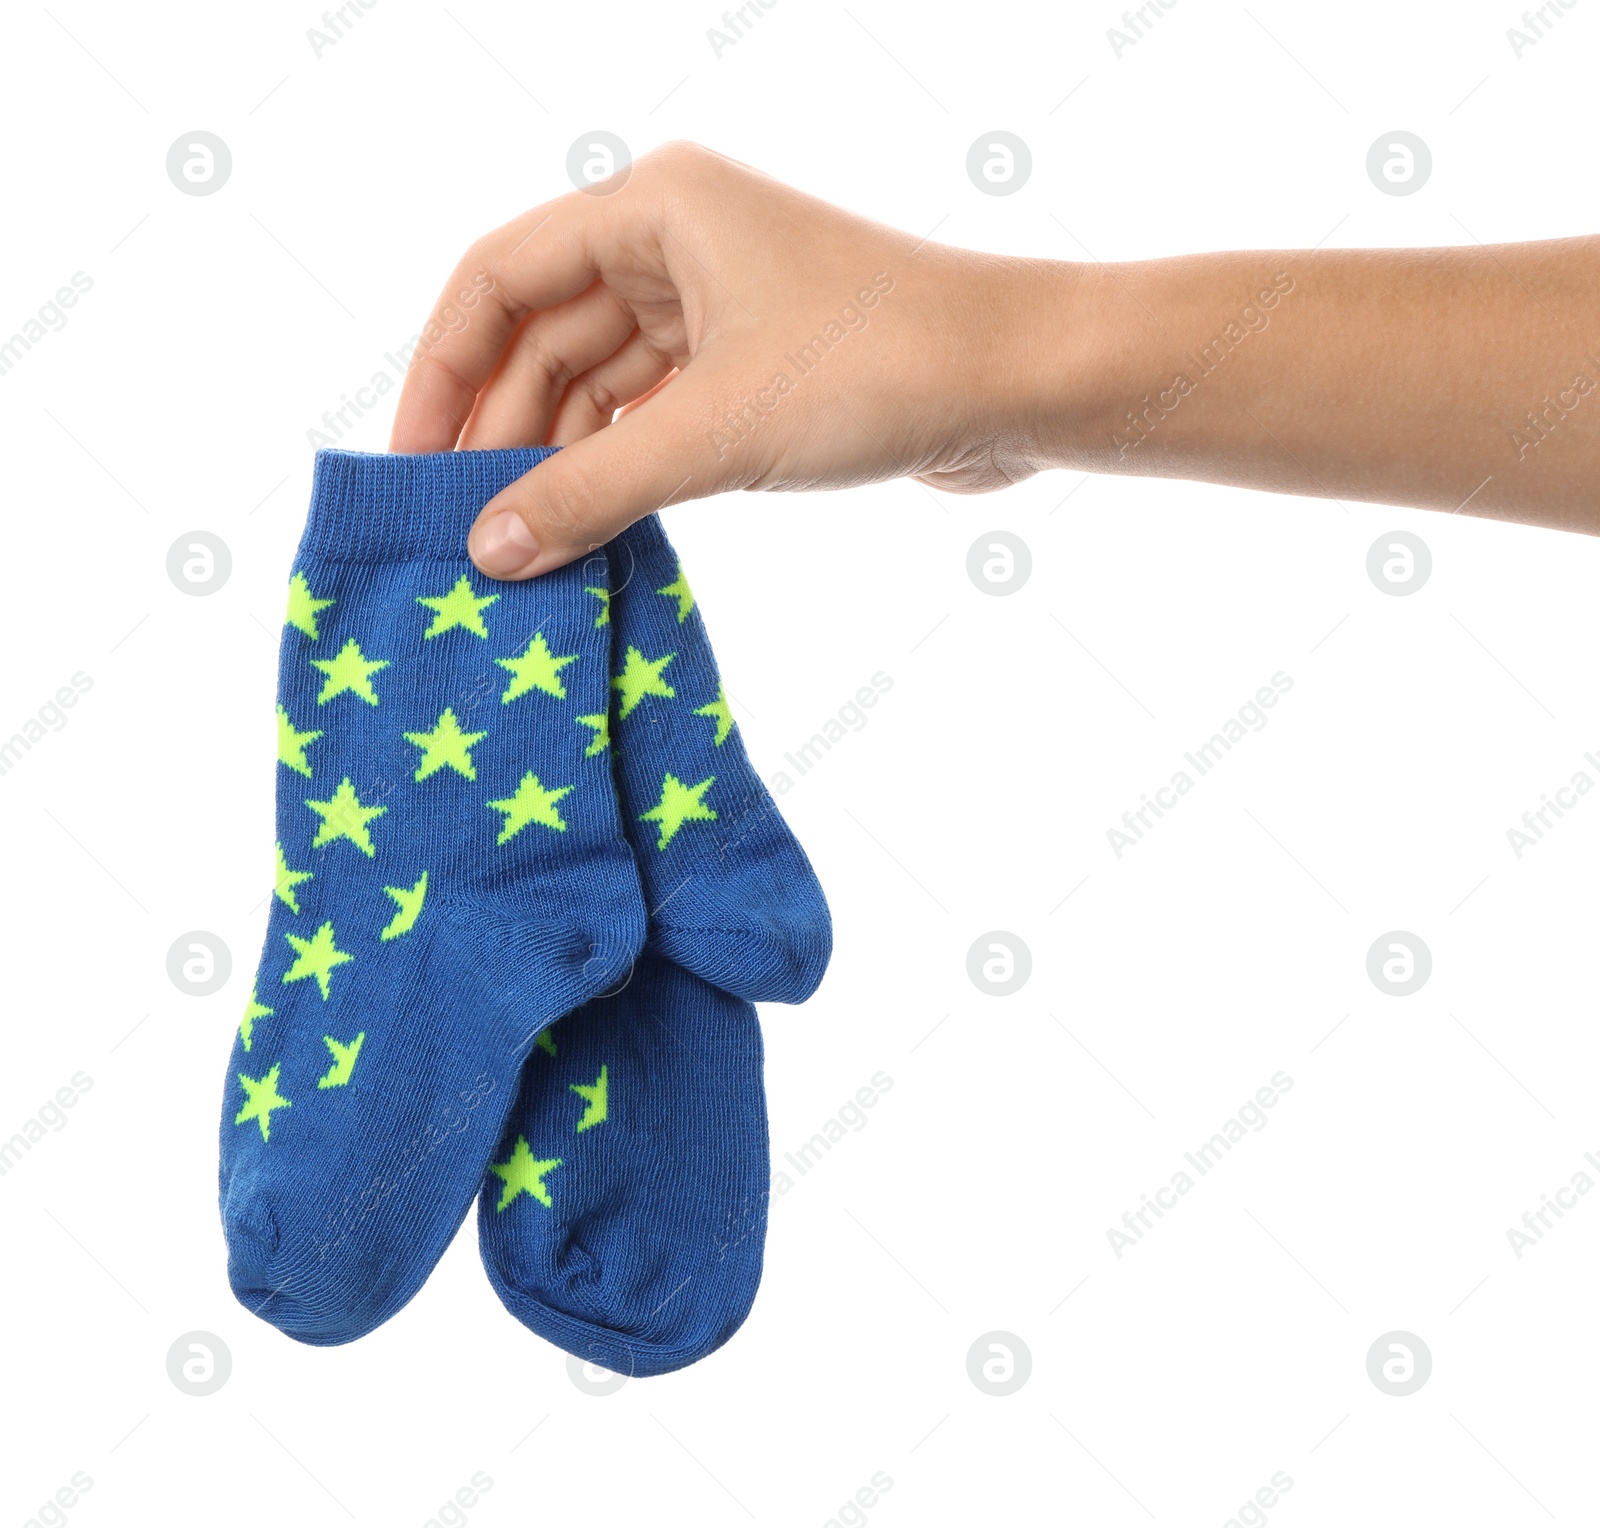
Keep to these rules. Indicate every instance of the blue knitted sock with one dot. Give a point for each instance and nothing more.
(452, 877)
(731, 894)
(625, 1215)
(628, 1228)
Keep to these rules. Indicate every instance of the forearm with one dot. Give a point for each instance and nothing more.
(1442, 378)
(723, 309)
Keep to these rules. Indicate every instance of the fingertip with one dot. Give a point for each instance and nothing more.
(434, 405)
(501, 545)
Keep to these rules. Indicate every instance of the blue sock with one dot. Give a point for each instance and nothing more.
(624, 1218)
(730, 892)
(452, 877)
(633, 1237)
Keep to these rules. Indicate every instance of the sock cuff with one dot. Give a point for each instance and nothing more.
(377, 507)
(645, 538)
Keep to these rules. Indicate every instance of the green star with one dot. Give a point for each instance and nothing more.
(604, 596)
(547, 1042)
(316, 957)
(261, 1098)
(349, 671)
(680, 591)
(594, 1096)
(303, 607)
(343, 816)
(253, 1010)
(344, 1061)
(292, 744)
(460, 607)
(447, 746)
(679, 804)
(537, 669)
(523, 1173)
(409, 900)
(718, 711)
(602, 732)
(531, 803)
(641, 676)
(287, 880)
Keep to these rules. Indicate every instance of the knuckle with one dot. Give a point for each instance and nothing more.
(677, 151)
(426, 359)
(554, 372)
(679, 158)
(600, 397)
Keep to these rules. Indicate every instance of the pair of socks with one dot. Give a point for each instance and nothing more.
(528, 888)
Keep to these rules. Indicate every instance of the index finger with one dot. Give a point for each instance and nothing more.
(535, 261)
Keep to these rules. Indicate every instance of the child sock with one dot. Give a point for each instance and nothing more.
(730, 893)
(452, 877)
(624, 1217)
(642, 1248)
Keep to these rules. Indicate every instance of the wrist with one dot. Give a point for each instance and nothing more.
(1087, 360)
(1064, 342)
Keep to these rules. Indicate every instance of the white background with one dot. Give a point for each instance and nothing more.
(1171, 983)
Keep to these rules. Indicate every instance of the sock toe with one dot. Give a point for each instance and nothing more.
(624, 1335)
(320, 1310)
(252, 1239)
(624, 1218)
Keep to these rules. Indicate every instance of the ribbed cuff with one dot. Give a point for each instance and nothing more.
(372, 507)
(645, 538)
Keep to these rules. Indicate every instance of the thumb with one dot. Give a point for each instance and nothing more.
(661, 452)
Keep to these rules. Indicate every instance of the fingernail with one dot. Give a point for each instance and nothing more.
(502, 545)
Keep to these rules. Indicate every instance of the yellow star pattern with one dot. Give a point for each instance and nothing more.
(679, 804)
(344, 1061)
(601, 723)
(261, 1098)
(343, 816)
(446, 747)
(303, 607)
(680, 591)
(315, 957)
(537, 669)
(523, 1173)
(292, 745)
(288, 878)
(460, 607)
(253, 1010)
(594, 1096)
(351, 671)
(641, 676)
(409, 900)
(720, 713)
(531, 803)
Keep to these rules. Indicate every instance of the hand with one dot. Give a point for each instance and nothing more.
(757, 337)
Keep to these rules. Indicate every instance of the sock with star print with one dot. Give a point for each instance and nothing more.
(629, 1228)
(730, 892)
(452, 877)
(625, 1215)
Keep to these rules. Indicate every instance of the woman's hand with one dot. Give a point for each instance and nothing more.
(758, 337)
